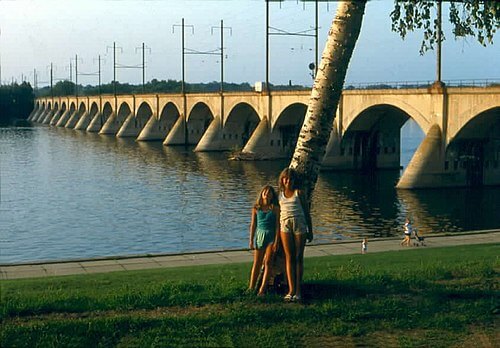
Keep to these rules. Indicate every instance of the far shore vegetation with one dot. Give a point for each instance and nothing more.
(424, 297)
(16, 103)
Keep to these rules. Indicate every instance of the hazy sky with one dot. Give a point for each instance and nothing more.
(35, 33)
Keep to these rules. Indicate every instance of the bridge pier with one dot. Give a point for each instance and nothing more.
(95, 124)
(258, 142)
(332, 158)
(177, 135)
(65, 117)
(113, 124)
(39, 113)
(46, 115)
(73, 120)
(132, 127)
(58, 116)
(83, 122)
(426, 166)
(51, 116)
(212, 138)
(152, 130)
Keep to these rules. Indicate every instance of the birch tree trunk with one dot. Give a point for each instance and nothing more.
(326, 92)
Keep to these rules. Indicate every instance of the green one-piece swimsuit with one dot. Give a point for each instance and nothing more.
(266, 228)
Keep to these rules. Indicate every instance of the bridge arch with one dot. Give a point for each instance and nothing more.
(286, 128)
(143, 114)
(413, 111)
(82, 107)
(240, 124)
(107, 111)
(168, 117)
(94, 109)
(123, 110)
(373, 139)
(463, 119)
(198, 121)
(474, 152)
(72, 107)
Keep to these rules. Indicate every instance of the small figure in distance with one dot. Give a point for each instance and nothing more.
(264, 235)
(408, 231)
(364, 246)
(295, 229)
(418, 240)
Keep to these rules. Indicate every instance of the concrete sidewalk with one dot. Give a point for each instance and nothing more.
(34, 270)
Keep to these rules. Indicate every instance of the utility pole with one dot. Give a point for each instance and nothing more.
(267, 46)
(51, 85)
(222, 27)
(316, 39)
(114, 71)
(438, 50)
(76, 76)
(183, 26)
(143, 66)
(183, 91)
(99, 73)
(0, 58)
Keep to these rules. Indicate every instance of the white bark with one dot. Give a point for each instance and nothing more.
(326, 91)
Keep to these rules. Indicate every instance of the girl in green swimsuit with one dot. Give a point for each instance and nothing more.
(264, 235)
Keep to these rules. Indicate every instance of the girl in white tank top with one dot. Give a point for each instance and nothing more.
(295, 228)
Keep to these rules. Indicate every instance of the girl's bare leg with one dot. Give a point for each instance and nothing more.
(268, 260)
(289, 248)
(300, 243)
(258, 255)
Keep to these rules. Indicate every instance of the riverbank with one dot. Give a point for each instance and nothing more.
(143, 262)
(426, 296)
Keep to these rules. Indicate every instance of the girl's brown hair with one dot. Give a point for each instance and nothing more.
(292, 175)
(259, 203)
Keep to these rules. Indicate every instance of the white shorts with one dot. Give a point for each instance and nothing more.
(293, 225)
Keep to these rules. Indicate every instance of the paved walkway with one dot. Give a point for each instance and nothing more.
(33, 270)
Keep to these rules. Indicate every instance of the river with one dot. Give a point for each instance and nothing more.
(67, 194)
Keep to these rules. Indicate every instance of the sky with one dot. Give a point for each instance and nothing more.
(36, 33)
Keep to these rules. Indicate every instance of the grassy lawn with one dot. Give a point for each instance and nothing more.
(440, 297)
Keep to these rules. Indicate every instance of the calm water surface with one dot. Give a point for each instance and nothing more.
(66, 194)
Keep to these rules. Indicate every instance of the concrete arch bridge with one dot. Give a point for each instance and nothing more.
(462, 127)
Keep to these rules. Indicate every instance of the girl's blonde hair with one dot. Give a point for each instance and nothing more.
(292, 175)
(259, 203)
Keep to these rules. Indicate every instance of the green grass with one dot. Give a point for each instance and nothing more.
(421, 297)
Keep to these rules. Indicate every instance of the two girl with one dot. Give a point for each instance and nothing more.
(293, 227)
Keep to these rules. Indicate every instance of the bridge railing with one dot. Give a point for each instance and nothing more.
(422, 84)
(347, 86)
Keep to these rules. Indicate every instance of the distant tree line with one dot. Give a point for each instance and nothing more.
(16, 103)
(67, 88)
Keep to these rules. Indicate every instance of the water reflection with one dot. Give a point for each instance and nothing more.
(73, 194)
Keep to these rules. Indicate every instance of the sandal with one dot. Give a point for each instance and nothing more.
(288, 298)
(296, 298)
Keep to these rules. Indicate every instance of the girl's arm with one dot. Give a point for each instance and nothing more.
(252, 229)
(307, 214)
